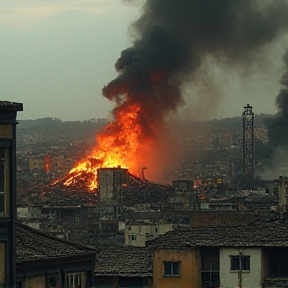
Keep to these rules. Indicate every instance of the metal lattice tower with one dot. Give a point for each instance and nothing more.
(248, 141)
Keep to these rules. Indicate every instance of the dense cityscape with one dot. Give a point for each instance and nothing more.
(124, 217)
(166, 191)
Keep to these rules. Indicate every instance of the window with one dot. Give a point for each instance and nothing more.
(73, 280)
(4, 182)
(171, 268)
(210, 263)
(132, 237)
(52, 281)
(240, 263)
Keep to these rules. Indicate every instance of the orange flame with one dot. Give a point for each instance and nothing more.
(47, 161)
(116, 146)
(142, 102)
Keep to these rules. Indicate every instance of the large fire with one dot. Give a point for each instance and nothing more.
(127, 142)
(117, 146)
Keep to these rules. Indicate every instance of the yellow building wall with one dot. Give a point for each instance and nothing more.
(190, 275)
(35, 282)
(2, 264)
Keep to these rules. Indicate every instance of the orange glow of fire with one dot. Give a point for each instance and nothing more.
(116, 146)
(47, 163)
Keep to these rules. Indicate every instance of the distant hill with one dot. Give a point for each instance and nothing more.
(54, 127)
(235, 123)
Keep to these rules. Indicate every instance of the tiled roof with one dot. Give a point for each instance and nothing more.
(262, 235)
(33, 245)
(124, 261)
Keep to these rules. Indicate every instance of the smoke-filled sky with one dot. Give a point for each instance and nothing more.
(56, 56)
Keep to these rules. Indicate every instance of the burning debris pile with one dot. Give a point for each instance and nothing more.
(57, 195)
(79, 179)
(116, 186)
(174, 41)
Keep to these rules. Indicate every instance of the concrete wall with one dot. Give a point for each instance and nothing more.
(190, 276)
(145, 232)
(40, 162)
(35, 282)
(159, 229)
(110, 181)
(36, 163)
(139, 231)
(251, 279)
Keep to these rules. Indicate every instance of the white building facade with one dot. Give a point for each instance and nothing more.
(241, 267)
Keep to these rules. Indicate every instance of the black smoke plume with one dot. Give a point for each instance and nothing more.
(278, 126)
(172, 40)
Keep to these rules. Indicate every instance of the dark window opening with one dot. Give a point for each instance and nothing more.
(52, 281)
(278, 262)
(171, 268)
(132, 237)
(240, 263)
(210, 264)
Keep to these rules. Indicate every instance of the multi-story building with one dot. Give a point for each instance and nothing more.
(253, 256)
(46, 162)
(30, 258)
(8, 113)
(138, 233)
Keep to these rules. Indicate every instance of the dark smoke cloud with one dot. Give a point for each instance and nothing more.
(173, 40)
(277, 126)
(173, 37)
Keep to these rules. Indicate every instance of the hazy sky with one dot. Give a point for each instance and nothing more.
(56, 56)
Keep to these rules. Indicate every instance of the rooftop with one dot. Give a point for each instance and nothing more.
(34, 245)
(7, 105)
(124, 262)
(262, 235)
